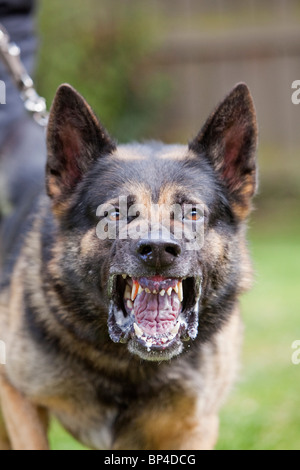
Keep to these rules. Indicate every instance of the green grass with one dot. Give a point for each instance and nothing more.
(61, 440)
(263, 410)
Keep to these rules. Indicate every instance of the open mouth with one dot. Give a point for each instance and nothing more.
(153, 314)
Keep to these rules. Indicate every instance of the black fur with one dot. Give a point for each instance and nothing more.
(74, 322)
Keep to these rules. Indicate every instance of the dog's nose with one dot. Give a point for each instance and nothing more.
(158, 253)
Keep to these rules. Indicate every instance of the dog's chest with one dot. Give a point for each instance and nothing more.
(83, 401)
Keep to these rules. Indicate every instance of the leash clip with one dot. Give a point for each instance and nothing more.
(11, 56)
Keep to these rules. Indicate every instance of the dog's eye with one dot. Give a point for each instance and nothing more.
(114, 215)
(194, 215)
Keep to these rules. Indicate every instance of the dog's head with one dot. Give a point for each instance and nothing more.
(152, 234)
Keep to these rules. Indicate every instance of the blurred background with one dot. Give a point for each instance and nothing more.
(156, 69)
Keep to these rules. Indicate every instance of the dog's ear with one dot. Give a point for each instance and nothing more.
(229, 141)
(75, 139)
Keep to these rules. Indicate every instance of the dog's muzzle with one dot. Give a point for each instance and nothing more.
(154, 315)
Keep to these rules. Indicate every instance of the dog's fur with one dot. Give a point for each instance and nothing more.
(67, 353)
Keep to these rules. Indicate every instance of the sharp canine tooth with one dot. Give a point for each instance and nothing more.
(137, 330)
(175, 329)
(129, 304)
(127, 293)
(169, 291)
(134, 292)
(140, 289)
(180, 291)
(147, 290)
(176, 288)
(124, 276)
(154, 292)
(162, 292)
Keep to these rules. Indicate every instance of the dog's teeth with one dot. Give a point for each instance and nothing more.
(138, 331)
(175, 329)
(135, 289)
(176, 288)
(180, 291)
(148, 290)
(124, 276)
(127, 293)
(162, 292)
(169, 291)
(164, 339)
(140, 289)
(154, 291)
(129, 304)
(174, 332)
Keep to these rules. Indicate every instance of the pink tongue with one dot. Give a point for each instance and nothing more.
(156, 314)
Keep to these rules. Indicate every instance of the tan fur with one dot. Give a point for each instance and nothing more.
(24, 421)
(186, 421)
(65, 353)
(87, 243)
(173, 152)
(190, 422)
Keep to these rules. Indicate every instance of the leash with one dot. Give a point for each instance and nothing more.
(10, 54)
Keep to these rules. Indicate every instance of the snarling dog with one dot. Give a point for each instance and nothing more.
(119, 311)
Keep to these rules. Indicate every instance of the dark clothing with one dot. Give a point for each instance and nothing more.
(13, 7)
(22, 141)
(17, 16)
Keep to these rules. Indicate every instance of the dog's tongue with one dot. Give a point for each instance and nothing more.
(157, 314)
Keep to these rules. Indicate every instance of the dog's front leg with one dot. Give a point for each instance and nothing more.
(4, 440)
(26, 424)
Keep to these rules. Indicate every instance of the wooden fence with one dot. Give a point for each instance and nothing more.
(204, 63)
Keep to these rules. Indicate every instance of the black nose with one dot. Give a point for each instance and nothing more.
(158, 253)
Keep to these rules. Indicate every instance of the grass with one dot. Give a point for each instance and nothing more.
(61, 440)
(263, 412)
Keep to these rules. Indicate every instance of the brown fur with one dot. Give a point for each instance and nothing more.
(60, 358)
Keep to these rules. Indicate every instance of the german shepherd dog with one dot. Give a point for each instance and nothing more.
(124, 327)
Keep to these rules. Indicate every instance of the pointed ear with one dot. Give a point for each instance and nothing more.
(229, 141)
(75, 139)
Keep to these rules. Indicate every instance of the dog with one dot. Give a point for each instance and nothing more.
(118, 318)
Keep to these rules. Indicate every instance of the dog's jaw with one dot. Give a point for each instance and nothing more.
(153, 315)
